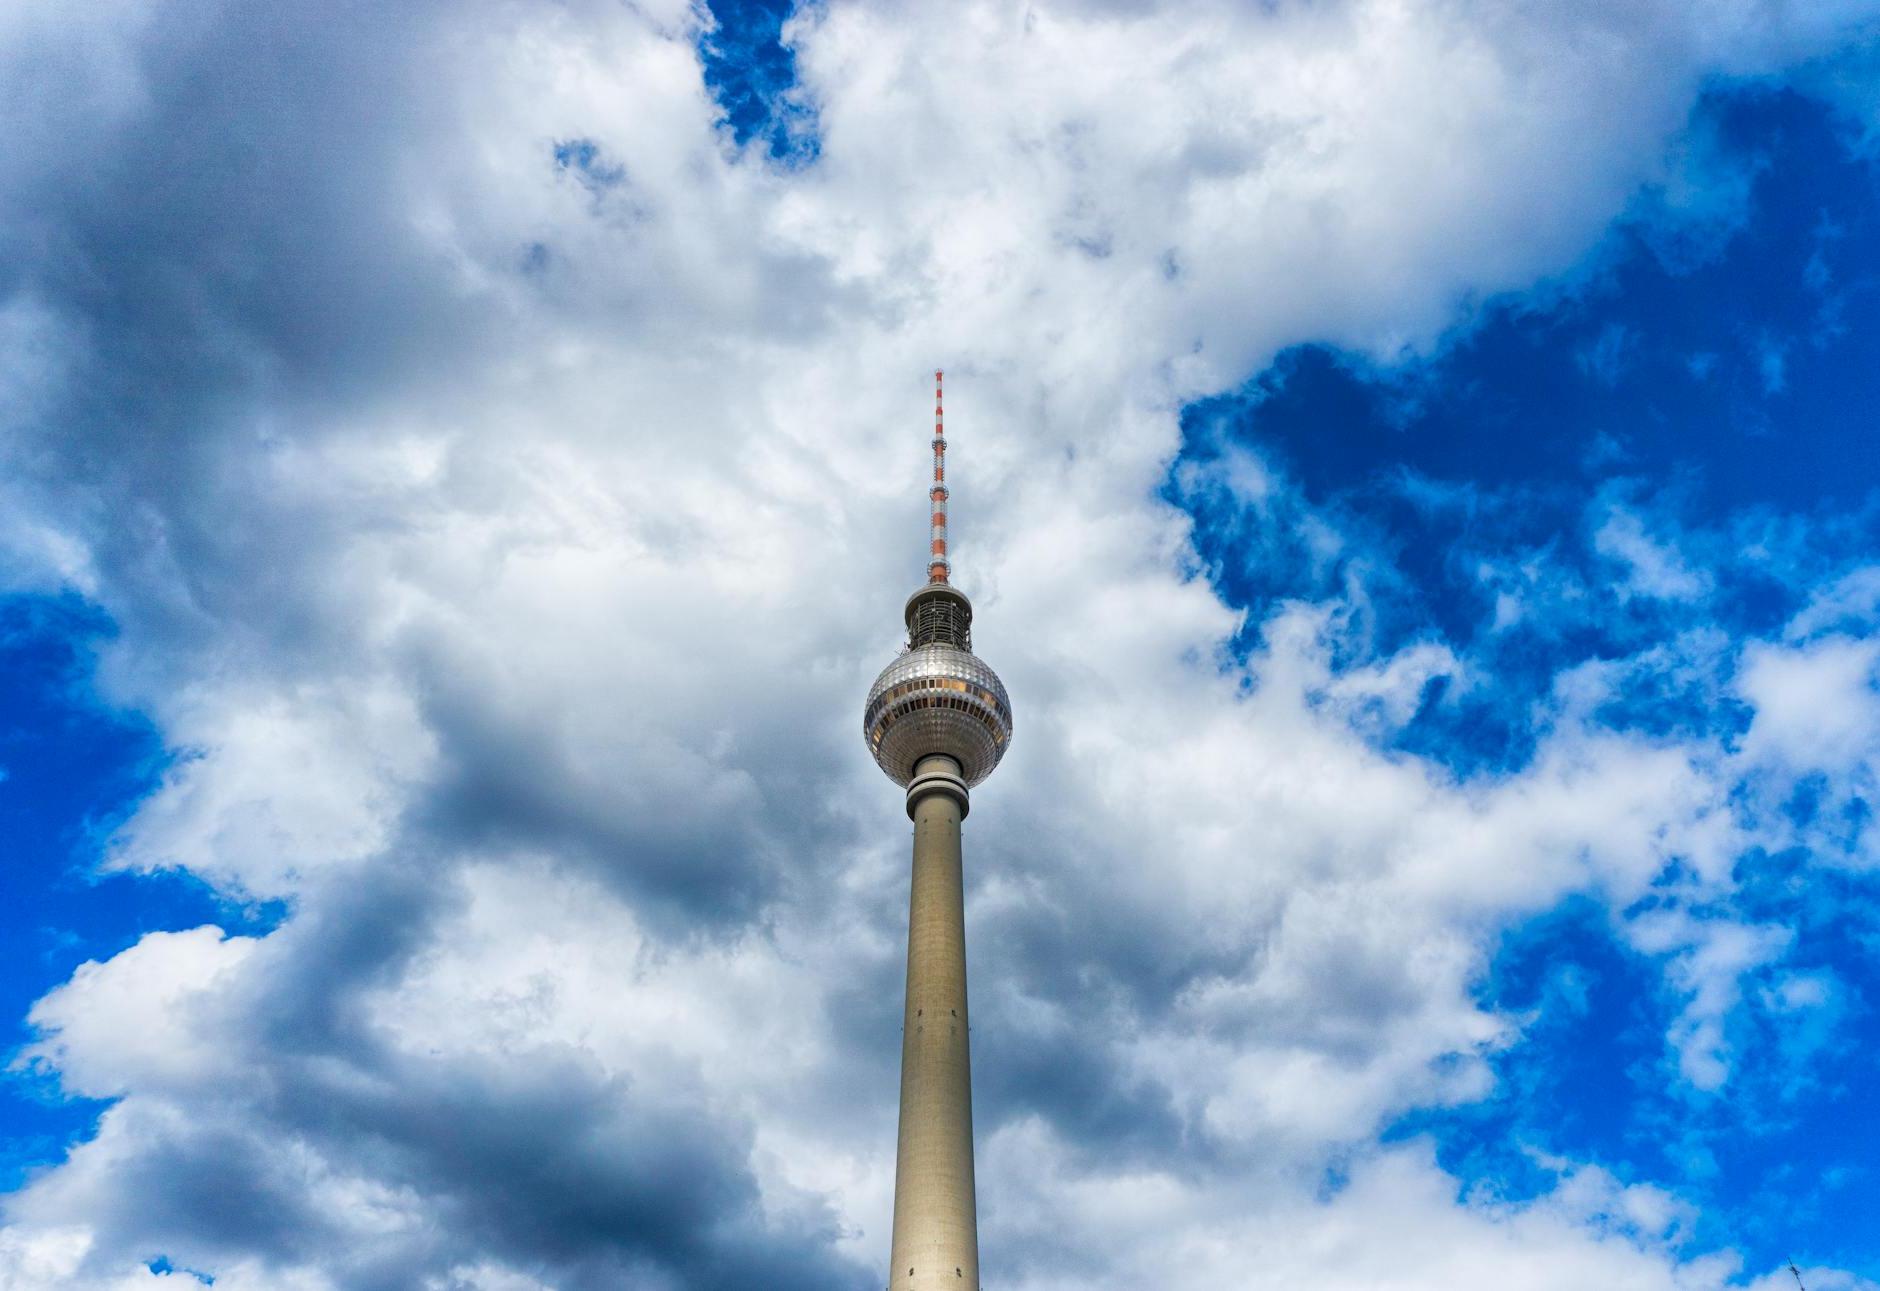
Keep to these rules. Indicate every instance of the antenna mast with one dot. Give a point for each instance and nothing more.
(938, 567)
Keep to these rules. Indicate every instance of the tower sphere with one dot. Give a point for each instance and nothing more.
(938, 697)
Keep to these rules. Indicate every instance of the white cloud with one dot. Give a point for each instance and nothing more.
(1817, 706)
(144, 1019)
(1711, 957)
(1653, 566)
(1815, 730)
(1394, 1223)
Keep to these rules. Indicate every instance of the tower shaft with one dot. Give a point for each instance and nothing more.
(936, 1227)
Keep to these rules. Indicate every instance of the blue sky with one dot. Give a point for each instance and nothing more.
(1722, 381)
(70, 767)
(1439, 600)
(1721, 389)
(76, 766)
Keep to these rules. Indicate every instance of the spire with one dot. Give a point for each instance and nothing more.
(937, 565)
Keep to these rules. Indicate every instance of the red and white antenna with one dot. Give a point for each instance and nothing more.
(938, 566)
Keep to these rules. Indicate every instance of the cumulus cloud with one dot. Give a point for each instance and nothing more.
(505, 486)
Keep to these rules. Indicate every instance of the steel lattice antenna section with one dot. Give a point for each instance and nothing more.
(937, 720)
(938, 566)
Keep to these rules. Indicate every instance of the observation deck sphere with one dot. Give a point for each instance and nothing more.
(937, 699)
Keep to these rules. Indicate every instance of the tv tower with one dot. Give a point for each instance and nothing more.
(937, 720)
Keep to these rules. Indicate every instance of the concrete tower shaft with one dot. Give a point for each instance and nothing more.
(936, 1223)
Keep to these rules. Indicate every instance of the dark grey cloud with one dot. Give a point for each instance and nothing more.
(538, 1158)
